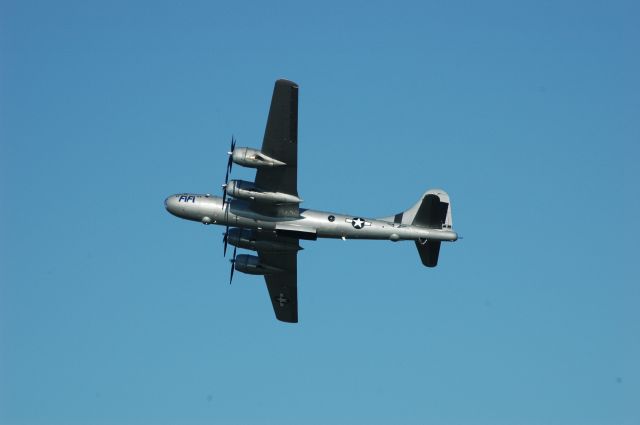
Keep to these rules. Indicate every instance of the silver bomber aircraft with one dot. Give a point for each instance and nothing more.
(265, 215)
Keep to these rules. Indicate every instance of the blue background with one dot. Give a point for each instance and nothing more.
(112, 311)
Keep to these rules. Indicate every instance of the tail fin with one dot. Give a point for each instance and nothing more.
(432, 211)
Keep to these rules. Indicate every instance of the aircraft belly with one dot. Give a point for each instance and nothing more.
(200, 208)
(332, 225)
(321, 224)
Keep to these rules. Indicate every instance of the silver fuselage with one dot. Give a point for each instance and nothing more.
(209, 209)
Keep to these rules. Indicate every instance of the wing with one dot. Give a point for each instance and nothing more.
(281, 143)
(283, 286)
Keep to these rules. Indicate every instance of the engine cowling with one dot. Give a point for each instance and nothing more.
(253, 158)
(251, 264)
(248, 239)
(241, 189)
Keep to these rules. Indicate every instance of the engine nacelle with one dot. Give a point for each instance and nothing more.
(253, 158)
(247, 190)
(245, 238)
(251, 264)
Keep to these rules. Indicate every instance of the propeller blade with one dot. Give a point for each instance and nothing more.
(229, 166)
(224, 195)
(225, 238)
(233, 264)
(230, 161)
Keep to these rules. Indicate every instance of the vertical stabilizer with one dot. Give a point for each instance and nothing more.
(433, 210)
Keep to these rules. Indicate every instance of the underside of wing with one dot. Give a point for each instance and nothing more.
(281, 143)
(283, 285)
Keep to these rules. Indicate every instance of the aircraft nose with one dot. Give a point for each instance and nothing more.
(171, 204)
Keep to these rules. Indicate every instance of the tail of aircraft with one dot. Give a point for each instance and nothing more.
(432, 211)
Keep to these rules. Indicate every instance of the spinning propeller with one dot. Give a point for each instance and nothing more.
(224, 196)
(233, 264)
(229, 166)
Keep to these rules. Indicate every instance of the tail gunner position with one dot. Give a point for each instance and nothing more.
(265, 216)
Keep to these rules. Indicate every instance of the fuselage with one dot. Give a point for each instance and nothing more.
(210, 209)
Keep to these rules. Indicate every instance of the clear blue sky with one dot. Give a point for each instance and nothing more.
(527, 113)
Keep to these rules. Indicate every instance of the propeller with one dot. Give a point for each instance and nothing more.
(225, 237)
(226, 204)
(233, 264)
(229, 166)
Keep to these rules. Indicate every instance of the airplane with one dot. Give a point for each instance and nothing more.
(265, 215)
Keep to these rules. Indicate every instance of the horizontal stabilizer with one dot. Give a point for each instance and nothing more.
(429, 252)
